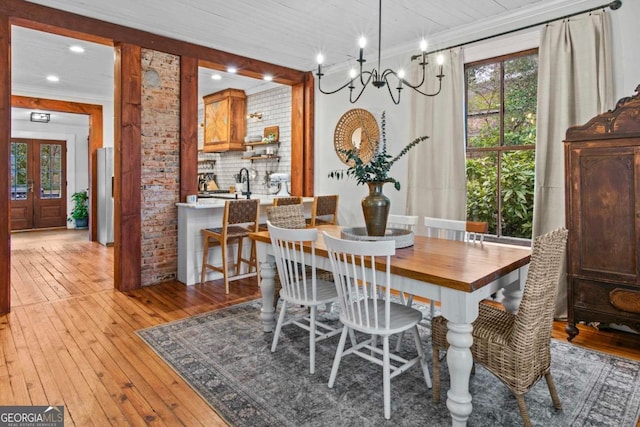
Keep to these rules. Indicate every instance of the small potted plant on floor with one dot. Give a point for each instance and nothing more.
(80, 212)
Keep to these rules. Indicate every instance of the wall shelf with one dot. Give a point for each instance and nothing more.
(261, 158)
(260, 143)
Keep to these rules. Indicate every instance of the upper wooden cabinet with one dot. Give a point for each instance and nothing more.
(225, 120)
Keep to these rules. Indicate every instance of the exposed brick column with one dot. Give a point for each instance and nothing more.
(160, 165)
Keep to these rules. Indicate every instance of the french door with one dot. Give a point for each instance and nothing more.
(38, 183)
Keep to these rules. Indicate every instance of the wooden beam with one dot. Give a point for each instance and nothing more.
(297, 145)
(309, 129)
(188, 126)
(94, 112)
(128, 137)
(302, 146)
(5, 155)
(55, 105)
(56, 21)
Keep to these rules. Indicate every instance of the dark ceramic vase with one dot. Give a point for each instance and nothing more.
(375, 208)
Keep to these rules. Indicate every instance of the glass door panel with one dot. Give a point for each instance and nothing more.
(50, 171)
(38, 184)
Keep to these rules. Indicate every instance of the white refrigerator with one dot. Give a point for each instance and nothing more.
(105, 196)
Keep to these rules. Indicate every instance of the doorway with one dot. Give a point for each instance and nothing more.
(38, 184)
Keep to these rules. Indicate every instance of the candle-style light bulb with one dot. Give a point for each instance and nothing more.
(320, 59)
(352, 75)
(440, 61)
(400, 77)
(362, 42)
(423, 45)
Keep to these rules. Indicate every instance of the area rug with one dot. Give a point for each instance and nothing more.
(226, 358)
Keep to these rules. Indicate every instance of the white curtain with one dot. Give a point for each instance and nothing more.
(574, 84)
(437, 179)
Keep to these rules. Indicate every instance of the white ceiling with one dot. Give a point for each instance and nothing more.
(284, 32)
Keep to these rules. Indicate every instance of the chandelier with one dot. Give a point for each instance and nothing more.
(379, 78)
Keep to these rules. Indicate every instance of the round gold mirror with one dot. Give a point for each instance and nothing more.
(356, 130)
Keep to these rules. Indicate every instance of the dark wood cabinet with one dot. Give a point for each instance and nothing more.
(602, 165)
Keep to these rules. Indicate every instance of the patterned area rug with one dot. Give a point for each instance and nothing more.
(226, 358)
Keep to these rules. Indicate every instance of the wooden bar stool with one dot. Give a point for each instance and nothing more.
(324, 210)
(239, 219)
(285, 201)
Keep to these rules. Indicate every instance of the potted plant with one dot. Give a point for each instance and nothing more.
(80, 211)
(375, 174)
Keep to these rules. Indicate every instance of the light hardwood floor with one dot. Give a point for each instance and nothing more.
(70, 339)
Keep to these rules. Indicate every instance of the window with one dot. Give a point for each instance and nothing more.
(501, 134)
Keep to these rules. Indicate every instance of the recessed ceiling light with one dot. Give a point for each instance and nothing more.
(76, 48)
(53, 78)
(232, 70)
(267, 77)
(216, 76)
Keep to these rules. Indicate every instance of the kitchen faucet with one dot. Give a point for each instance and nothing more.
(246, 172)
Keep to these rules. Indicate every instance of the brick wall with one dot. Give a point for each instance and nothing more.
(160, 165)
(275, 106)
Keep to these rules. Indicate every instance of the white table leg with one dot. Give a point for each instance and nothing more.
(460, 362)
(512, 298)
(267, 288)
(513, 293)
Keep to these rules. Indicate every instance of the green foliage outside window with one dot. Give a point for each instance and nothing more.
(517, 192)
(501, 113)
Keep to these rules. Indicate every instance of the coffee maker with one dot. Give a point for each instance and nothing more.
(202, 182)
(205, 181)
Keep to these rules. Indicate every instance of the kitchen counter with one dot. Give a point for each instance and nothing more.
(218, 200)
(217, 194)
(207, 213)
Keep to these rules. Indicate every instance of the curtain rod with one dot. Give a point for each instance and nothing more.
(614, 5)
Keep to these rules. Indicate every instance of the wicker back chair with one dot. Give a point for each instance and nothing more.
(286, 216)
(516, 348)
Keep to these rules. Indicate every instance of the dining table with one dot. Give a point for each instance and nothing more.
(457, 274)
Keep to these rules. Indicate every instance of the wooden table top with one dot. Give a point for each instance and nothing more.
(450, 263)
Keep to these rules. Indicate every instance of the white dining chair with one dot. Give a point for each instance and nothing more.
(364, 309)
(404, 222)
(300, 286)
(450, 229)
(441, 228)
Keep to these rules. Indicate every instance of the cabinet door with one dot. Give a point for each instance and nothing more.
(216, 121)
(604, 213)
